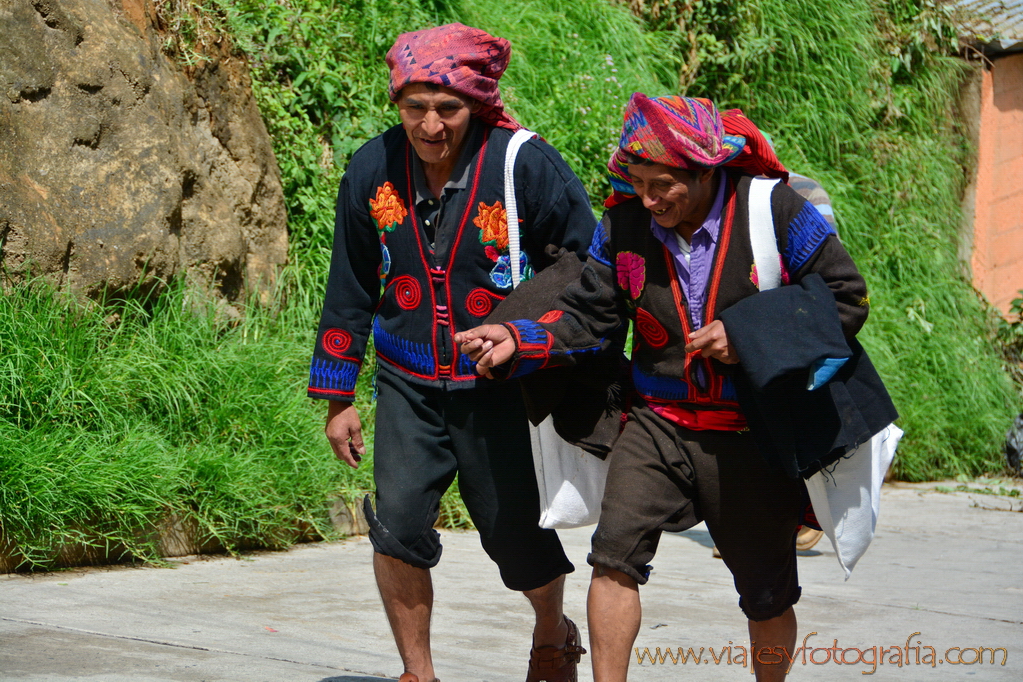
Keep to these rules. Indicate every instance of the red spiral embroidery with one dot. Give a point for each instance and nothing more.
(407, 292)
(479, 302)
(336, 342)
(650, 329)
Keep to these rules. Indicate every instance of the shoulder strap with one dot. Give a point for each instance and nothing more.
(761, 233)
(510, 206)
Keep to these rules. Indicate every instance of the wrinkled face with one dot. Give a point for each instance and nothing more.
(436, 121)
(673, 196)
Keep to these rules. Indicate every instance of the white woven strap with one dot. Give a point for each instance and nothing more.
(510, 206)
(761, 234)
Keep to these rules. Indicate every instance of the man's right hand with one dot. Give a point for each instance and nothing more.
(344, 431)
(488, 345)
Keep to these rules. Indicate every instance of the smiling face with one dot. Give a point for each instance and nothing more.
(436, 120)
(677, 199)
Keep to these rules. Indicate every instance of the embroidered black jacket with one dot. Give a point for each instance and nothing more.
(386, 275)
(630, 273)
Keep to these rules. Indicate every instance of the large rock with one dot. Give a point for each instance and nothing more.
(115, 165)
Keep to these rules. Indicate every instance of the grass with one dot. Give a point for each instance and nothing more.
(114, 415)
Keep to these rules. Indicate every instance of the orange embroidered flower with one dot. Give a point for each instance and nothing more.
(387, 209)
(493, 224)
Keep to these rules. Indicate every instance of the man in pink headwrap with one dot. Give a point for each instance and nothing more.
(421, 251)
(673, 255)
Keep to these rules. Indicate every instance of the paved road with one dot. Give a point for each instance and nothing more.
(939, 567)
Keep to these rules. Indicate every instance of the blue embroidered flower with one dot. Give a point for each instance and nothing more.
(525, 267)
(385, 261)
(501, 275)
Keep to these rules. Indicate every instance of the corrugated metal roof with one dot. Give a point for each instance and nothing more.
(997, 24)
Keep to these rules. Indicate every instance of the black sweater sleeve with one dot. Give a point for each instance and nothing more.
(353, 290)
(549, 191)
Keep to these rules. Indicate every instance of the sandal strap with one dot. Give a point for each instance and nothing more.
(545, 660)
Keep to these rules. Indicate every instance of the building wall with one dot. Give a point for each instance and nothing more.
(997, 258)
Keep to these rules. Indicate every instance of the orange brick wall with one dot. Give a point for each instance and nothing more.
(997, 259)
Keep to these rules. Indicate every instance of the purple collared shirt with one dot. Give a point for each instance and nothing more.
(693, 276)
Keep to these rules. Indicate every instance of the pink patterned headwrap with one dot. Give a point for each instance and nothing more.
(687, 133)
(467, 60)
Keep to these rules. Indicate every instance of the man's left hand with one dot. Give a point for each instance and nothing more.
(712, 342)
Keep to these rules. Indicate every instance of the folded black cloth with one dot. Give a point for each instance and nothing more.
(786, 331)
(798, 430)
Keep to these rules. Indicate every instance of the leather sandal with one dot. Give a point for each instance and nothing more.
(554, 664)
(412, 677)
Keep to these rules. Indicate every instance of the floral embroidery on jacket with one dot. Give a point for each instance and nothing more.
(387, 209)
(755, 278)
(501, 275)
(631, 269)
(385, 261)
(493, 224)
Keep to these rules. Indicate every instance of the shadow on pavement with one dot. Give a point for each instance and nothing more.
(698, 536)
(357, 678)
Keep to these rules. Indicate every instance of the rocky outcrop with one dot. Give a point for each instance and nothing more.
(116, 166)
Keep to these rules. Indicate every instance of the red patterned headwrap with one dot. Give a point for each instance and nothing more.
(467, 60)
(688, 133)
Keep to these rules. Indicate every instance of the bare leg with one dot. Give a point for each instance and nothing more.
(777, 632)
(547, 601)
(407, 593)
(613, 612)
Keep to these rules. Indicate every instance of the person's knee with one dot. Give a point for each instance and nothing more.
(622, 579)
(767, 604)
(417, 547)
(620, 570)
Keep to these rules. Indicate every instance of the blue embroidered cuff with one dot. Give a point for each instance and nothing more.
(332, 379)
(534, 347)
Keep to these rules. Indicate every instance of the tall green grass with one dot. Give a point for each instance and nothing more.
(113, 416)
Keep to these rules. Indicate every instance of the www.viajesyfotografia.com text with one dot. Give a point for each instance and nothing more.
(810, 653)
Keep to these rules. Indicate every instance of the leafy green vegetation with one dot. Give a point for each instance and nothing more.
(1010, 335)
(115, 415)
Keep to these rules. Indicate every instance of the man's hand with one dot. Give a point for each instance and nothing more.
(712, 342)
(344, 431)
(488, 346)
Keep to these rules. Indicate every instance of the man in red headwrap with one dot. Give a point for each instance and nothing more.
(672, 254)
(421, 251)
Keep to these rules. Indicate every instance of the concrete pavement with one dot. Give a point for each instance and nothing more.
(940, 566)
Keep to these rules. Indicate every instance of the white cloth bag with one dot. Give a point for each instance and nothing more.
(569, 479)
(846, 496)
